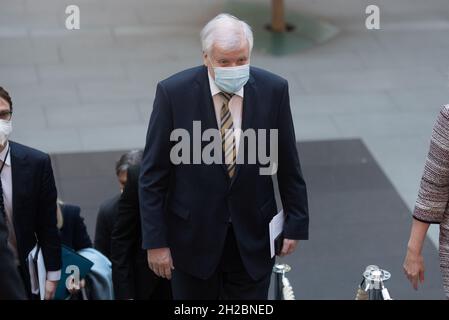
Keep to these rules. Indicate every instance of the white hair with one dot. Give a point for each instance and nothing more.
(227, 31)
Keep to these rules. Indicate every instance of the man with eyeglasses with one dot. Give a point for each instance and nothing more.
(28, 203)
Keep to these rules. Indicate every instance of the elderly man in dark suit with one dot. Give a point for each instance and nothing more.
(206, 225)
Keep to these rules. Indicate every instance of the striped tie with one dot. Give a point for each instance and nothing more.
(227, 134)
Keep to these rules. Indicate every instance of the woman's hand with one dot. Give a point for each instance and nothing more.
(414, 267)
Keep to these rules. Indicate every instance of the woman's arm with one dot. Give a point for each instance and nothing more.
(414, 262)
(417, 236)
(432, 199)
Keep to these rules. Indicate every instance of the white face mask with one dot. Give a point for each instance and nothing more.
(5, 131)
(231, 79)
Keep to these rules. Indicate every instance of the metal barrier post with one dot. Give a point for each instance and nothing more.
(372, 286)
(281, 281)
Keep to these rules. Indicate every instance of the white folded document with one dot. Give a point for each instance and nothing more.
(38, 273)
(276, 226)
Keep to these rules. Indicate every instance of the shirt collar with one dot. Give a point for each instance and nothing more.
(215, 90)
(3, 154)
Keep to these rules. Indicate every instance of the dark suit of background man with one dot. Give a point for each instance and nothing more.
(208, 224)
(109, 209)
(131, 275)
(11, 285)
(28, 202)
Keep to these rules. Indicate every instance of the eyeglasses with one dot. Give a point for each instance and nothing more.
(5, 115)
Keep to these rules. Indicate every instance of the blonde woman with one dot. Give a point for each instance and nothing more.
(432, 205)
(71, 226)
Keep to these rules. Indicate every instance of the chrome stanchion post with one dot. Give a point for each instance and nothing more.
(372, 286)
(280, 270)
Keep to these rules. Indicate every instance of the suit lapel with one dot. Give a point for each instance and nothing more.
(249, 104)
(19, 175)
(248, 111)
(207, 110)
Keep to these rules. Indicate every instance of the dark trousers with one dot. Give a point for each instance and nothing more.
(229, 282)
(162, 291)
(148, 286)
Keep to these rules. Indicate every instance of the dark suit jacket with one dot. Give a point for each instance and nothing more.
(132, 277)
(11, 285)
(73, 232)
(187, 207)
(105, 223)
(34, 205)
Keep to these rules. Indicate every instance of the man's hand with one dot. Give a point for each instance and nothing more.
(414, 268)
(288, 247)
(160, 262)
(50, 289)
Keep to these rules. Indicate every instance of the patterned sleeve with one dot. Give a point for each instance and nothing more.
(433, 194)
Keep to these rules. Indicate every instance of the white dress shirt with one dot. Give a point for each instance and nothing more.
(6, 176)
(235, 107)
